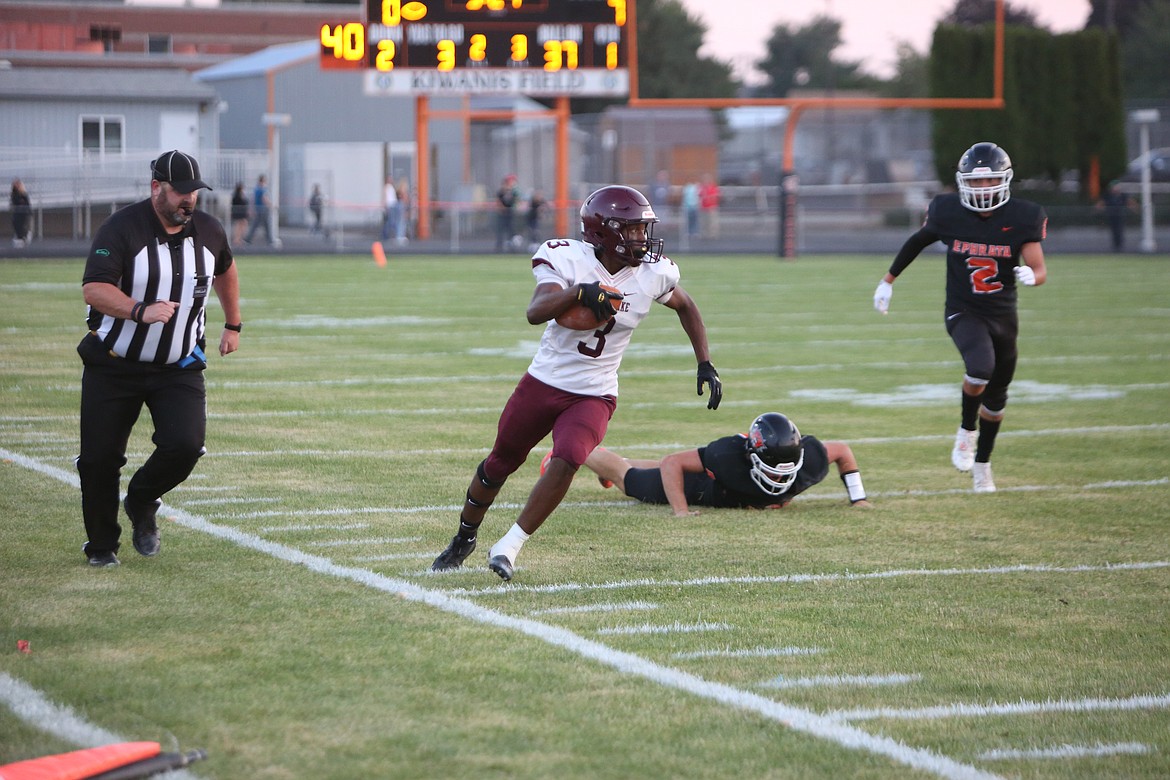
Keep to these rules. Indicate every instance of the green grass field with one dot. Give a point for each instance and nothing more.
(290, 626)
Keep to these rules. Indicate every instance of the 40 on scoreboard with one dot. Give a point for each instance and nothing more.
(531, 46)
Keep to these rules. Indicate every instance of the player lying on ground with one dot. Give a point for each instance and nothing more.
(764, 469)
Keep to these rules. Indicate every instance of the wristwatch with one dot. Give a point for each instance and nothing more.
(238, 327)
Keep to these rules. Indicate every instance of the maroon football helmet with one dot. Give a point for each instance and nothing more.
(605, 217)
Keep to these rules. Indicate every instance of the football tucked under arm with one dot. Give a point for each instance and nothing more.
(583, 315)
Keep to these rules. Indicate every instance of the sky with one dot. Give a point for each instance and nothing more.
(870, 29)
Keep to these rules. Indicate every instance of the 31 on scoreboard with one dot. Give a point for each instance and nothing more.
(450, 35)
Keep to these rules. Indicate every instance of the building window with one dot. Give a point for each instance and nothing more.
(101, 135)
(109, 36)
(158, 43)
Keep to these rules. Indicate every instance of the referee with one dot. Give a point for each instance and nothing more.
(147, 278)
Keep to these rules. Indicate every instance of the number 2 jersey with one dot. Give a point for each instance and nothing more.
(586, 362)
(982, 251)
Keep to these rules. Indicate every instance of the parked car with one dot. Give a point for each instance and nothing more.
(1159, 166)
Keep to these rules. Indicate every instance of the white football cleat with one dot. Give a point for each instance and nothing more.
(963, 454)
(981, 475)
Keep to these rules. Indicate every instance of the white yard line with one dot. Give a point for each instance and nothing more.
(839, 680)
(671, 628)
(753, 652)
(31, 706)
(792, 717)
(284, 529)
(789, 579)
(1097, 750)
(633, 606)
(1144, 702)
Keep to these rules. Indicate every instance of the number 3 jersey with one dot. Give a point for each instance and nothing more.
(982, 252)
(586, 362)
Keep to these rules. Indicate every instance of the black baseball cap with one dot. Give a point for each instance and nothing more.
(179, 170)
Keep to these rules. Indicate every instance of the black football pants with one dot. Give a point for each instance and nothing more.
(989, 351)
(113, 392)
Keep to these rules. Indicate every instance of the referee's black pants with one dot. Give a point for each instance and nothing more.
(113, 392)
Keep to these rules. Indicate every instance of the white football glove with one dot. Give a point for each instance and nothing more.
(1025, 275)
(882, 295)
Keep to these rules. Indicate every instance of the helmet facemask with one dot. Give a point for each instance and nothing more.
(633, 251)
(984, 198)
(984, 161)
(774, 480)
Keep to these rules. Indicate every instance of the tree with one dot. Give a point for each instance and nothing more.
(1116, 15)
(1062, 94)
(972, 13)
(911, 77)
(803, 57)
(1144, 52)
(669, 65)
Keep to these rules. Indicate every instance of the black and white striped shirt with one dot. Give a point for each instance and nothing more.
(132, 251)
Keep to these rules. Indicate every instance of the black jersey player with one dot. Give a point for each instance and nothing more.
(993, 247)
(763, 469)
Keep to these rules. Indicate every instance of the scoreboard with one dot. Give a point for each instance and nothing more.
(532, 47)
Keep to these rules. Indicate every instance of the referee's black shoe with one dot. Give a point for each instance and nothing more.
(99, 558)
(142, 517)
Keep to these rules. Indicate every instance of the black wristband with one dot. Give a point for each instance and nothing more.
(238, 327)
(136, 311)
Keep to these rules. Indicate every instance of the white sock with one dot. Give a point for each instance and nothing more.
(509, 546)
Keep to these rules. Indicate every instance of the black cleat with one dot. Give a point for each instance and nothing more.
(142, 517)
(501, 566)
(455, 554)
(99, 559)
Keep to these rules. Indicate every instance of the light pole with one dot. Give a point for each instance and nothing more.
(1144, 118)
(275, 121)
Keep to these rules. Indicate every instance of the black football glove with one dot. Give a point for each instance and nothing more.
(596, 299)
(708, 375)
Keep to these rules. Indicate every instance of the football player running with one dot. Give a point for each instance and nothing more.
(570, 389)
(993, 247)
(763, 469)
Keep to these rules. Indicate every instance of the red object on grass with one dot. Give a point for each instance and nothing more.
(80, 764)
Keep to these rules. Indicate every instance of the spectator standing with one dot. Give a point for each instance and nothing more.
(389, 209)
(402, 219)
(21, 214)
(536, 206)
(239, 213)
(317, 209)
(690, 206)
(261, 209)
(1117, 205)
(709, 197)
(506, 197)
(660, 195)
(150, 270)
